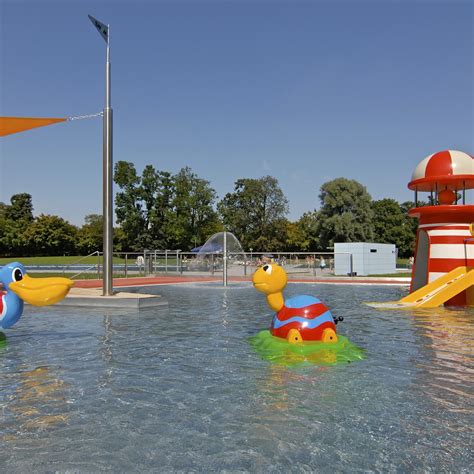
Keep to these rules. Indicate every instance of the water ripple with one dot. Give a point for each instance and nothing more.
(181, 389)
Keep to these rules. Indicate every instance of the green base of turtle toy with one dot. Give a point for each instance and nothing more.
(280, 351)
(3, 340)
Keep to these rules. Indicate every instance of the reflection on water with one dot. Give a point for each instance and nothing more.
(277, 386)
(37, 403)
(450, 369)
(450, 330)
(181, 389)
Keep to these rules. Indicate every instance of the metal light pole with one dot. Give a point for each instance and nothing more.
(224, 262)
(107, 167)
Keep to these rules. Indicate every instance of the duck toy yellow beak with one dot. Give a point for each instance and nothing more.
(41, 291)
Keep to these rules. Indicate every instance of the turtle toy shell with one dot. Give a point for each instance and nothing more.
(304, 313)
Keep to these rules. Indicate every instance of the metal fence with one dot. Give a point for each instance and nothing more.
(306, 265)
(240, 264)
(175, 262)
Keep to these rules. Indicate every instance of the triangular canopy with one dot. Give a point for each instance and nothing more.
(9, 125)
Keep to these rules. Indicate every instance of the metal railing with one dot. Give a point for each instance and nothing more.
(159, 262)
(163, 262)
(310, 265)
(93, 267)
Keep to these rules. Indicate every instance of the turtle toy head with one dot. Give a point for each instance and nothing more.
(270, 279)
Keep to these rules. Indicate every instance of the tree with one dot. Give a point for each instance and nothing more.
(293, 237)
(391, 225)
(346, 213)
(13, 238)
(412, 221)
(255, 212)
(4, 250)
(412, 224)
(159, 210)
(156, 191)
(90, 235)
(3, 229)
(3, 210)
(128, 207)
(307, 232)
(14, 222)
(193, 218)
(21, 208)
(51, 235)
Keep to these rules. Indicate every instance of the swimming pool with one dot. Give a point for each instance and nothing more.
(182, 390)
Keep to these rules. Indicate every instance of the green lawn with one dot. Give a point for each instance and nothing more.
(82, 276)
(53, 260)
(63, 261)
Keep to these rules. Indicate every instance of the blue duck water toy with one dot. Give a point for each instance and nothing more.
(18, 287)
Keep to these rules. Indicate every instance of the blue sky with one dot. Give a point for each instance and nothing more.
(305, 91)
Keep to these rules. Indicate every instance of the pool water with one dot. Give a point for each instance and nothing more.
(181, 389)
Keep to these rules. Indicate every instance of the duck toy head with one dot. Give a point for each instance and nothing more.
(299, 318)
(19, 287)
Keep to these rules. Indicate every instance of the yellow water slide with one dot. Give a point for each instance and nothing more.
(440, 290)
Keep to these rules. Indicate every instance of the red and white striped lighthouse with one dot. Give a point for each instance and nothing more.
(444, 241)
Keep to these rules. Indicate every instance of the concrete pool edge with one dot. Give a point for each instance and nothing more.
(92, 297)
(173, 280)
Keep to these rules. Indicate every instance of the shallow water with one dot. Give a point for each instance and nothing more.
(182, 390)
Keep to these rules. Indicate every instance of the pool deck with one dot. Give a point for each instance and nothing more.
(93, 298)
(88, 293)
(173, 280)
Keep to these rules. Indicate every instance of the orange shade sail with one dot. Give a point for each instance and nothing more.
(9, 125)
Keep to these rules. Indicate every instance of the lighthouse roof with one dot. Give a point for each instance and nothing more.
(449, 169)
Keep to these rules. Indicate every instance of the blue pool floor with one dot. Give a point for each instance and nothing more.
(181, 389)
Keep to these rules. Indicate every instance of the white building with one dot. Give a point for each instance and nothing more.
(362, 258)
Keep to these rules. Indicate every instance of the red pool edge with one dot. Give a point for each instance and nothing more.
(172, 280)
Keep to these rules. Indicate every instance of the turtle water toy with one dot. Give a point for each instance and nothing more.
(18, 287)
(302, 329)
(300, 318)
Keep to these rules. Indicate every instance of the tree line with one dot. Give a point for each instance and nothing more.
(160, 210)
